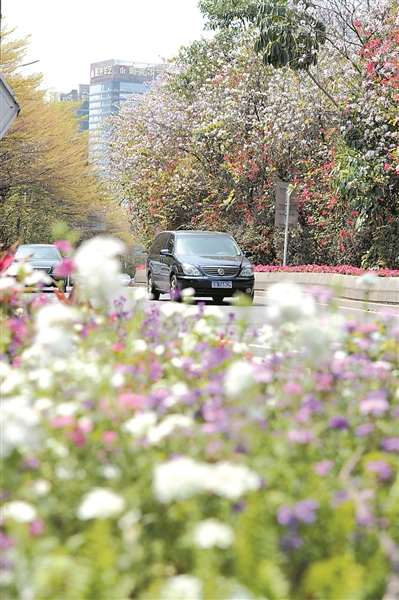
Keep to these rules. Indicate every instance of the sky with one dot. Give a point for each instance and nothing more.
(66, 36)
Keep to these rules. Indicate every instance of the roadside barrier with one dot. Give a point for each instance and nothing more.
(349, 288)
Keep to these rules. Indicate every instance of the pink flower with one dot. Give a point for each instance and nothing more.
(134, 400)
(375, 404)
(300, 436)
(293, 388)
(36, 527)
(77, 436)
(323, 467)
(63, 421)
(108, 437)
(63, 245)
(117, 347)
(380, 467)
(65, 268)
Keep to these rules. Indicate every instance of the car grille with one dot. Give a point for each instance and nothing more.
(213, 271)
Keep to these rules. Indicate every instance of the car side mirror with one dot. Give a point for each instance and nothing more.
(248, 253)
(165, 252)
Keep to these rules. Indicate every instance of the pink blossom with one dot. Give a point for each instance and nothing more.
(131, 399)
(323, 467)
(300, 436)
(108, 437)
(117, 347)
(36, 528)
(65, 268)
(293, 387)
(63, 245)
(375, 404)
(62, 421)
(380, 467)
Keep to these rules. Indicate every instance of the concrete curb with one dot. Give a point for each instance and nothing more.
(347, 287)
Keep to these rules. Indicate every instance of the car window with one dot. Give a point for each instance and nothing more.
(171, 243)
(159, 243)
(49, 252)
(207, 245)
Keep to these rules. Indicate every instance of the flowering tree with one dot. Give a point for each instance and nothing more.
(147, 453)
(368, 165)
(206, 145)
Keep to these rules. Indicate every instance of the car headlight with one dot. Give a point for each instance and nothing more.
(190, 270)
(247, 272)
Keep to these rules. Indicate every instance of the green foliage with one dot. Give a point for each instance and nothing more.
(232, 15)
(288, 37)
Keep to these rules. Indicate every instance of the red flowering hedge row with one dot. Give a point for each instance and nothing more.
(340, 269)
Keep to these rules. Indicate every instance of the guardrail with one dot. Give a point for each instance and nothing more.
(385, 291)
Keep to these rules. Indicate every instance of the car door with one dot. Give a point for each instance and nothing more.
(167, 262)
(154, 259)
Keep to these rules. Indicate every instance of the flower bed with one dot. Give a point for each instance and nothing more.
(339, 269)
(149, 454)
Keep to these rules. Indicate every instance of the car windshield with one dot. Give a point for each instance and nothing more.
(49, 252)
(207, 245)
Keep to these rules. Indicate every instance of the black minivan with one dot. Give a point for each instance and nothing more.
(210, 262)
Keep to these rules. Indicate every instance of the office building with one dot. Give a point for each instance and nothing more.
(111, 83)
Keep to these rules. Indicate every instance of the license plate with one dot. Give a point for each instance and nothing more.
(222, 284)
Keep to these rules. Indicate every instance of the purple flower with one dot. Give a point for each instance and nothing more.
(285, 516)
(339, 498)
(300, 436)
(375, 404)
(391, 444)
(5, 541)
(364, 514)
(290, 542)
(382, 468)
(364, 429)
(305, 510)
(302, 416)
(238, 507)
(312, 404)
(323, 467)
(338, 422)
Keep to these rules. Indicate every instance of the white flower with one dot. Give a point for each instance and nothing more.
(182, 587)
(130, 518)
(179, 479)
(177, 391)
(111, 471)
(238, 378)
(19, 426)
(138, 346)
(8, 284)
(19, 511)
(368, 280)
(66, 409)
(64, 473)
(320, 337)
(41, 487)
(167, 426)
(183, 478)
(97, 268)
(54, 333)
(139, 425)
(287, 302)
(231, 480)
(57, 448)
(172, 308)
(211, 532)
(37, 277)
(100, 503)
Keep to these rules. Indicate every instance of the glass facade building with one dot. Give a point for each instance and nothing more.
(111, 83)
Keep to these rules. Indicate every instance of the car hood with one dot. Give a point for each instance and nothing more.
(43, 263)
(214, 261)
